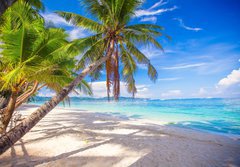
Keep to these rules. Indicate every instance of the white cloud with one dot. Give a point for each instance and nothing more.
(46, 93)
(230, 80)
(76, 33)
(172, 94)
(187, 27)
(205, 92)
(55, 19)
(157, 4)
(227, 87)
(151, 52)
(99, 90)
(184, 66)
(202, 92)
(142, 66)
(152, 19)
(169, 79)
(143, 91)
(150, 12)
(213, 54)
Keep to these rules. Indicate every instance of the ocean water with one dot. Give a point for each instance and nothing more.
(212, 115)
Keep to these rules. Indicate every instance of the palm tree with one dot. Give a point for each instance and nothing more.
(119, 10)
(112, 25)
(5, 4)
(32, 57)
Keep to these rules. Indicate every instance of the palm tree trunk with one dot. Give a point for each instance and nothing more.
(8, 139)
(108, 79)
(3, 102)
(116, 81)
(4, 4)
(23, 94)
(4, 98)
(23, 98)
(7, 114)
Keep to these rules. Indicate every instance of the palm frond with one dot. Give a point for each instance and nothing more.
(82, 21)
(94, 52)
(128, 10)
(129, 69)
(152, 72)
(101, 9)
(133, 50)
(85, 88)
(141, 58)
(145, 27)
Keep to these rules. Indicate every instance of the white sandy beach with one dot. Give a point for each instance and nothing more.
(88, 139)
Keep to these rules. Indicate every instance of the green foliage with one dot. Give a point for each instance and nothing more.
(31, 52)
(37, 4)
(112, 23)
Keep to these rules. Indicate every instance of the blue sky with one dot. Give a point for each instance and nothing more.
(201, 60)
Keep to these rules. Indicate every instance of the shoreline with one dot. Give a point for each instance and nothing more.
(149, 120)
(76, 138)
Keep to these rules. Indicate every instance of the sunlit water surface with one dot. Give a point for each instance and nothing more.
(212, 115)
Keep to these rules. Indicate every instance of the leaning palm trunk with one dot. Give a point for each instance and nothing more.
(8, 139)
(3, 102)
(14, 102)
(7, 114)
(26, 96)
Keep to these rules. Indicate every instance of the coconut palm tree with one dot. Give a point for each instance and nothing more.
(113, 25)
(32, 57)
(117, 14)
(4, 4)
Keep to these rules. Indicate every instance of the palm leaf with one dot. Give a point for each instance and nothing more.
(79, 20)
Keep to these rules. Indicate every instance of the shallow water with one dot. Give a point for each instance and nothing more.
(213, 115)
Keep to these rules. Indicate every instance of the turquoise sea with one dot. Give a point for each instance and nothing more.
(212, 115)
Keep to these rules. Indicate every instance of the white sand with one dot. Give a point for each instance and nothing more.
(88, 139)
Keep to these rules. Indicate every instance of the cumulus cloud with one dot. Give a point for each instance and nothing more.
(205, 92)
(99, 90)
(46, 93)
(181, 23)
(227, 87)
(172, 94)
(202, 91)
(232, 79)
